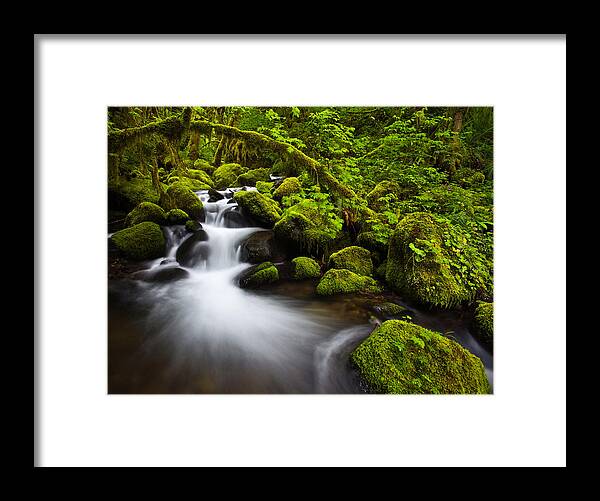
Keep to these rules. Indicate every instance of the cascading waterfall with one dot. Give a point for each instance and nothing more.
(212, 336)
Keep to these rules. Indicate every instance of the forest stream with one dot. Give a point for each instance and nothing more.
(182, 324)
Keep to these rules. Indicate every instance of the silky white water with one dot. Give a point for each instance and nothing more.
(230, 339)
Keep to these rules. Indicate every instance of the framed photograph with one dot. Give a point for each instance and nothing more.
(297, 258)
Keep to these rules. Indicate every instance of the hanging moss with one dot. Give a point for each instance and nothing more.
(401, 357)
(345, 282)
(226, 175)
(353, 258)
(289, 186)
(177, 216)
(305, 267)
(181, 197)
(426, 278)
(483, 322)
(146, 211)
(142, 241)
(259, 207)
(251, 177)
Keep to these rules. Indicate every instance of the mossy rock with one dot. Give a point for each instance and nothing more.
(177, 216)
(192, 226)
(483, 322)
(126, 195)
(263, 274)
(353, 258)
(345, 282)
(262, 209)
(429, 280)
(305, 267)
(142, 241)
(226, 175)
(264, 187)
(146, 211)
(183, 198)
(289, 186)
(204, 165)
(253, 176)
(392, 310)
(401, 357)
(201, 176)
(383, 189)
(189, 183)
(302, 230)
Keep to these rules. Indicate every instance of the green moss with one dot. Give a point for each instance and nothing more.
(183, 198)
(345, 282)
(130, 194)
(264, 187)
(201, 176)
(263, 274)
(429, 278)
(192, 225)
(177, 216)
(401, 357)
(353, 258)
(226, 175)
(289, 186)
(142, 241)
(483, 321)
(253, 176)
(305, 267)
(146, 211)
(383, 189)
(303, 230)
(189, 183)
(262, 209)
(202, 164)
(392, 310)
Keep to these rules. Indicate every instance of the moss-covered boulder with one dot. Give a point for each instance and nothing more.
(369, 240)
(289, 186)
(382, 190)
(226, 175)
(424, 274)
(192, 226)
(380, 271)
(183, 198)
(264, 187)
(146, 211)
(262, 209)
(345, 282)
(483, 322)
(204, 165)
(391, 310)
(353, 258)
(303, 230)
(401, 357)
(128, 194)
(189, 183)
(251, 177)
(262, 274)
(305, 267)
(177, 216)
(201, 176)
(142, 241)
